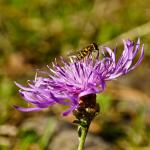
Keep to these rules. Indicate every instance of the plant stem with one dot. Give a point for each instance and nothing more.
(84, 131)
(85, 112)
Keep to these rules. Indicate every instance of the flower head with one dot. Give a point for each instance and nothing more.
(67, 83)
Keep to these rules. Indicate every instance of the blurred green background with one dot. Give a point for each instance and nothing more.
(34, 32)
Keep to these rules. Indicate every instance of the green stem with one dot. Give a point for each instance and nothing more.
(84, 131)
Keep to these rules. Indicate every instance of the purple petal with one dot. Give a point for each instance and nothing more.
(139, 60)
(26, 109)
(67, 112)
(23, 87)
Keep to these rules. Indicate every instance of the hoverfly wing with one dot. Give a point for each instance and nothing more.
(70, 54)
(74, 54)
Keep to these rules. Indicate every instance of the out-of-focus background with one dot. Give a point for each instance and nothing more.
(33, 33)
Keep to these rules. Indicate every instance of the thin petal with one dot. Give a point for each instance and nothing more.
(26, 109)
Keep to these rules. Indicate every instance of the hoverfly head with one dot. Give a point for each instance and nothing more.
(95, 47)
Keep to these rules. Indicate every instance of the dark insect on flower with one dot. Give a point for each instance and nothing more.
(86, 51)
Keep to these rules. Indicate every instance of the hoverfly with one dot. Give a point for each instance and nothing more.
(84, 51)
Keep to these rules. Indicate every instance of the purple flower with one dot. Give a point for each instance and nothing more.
(67, 83)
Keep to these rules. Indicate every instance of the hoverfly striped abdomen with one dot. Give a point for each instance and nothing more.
(86, 51)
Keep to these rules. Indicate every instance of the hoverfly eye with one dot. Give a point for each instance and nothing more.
(95, 46)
